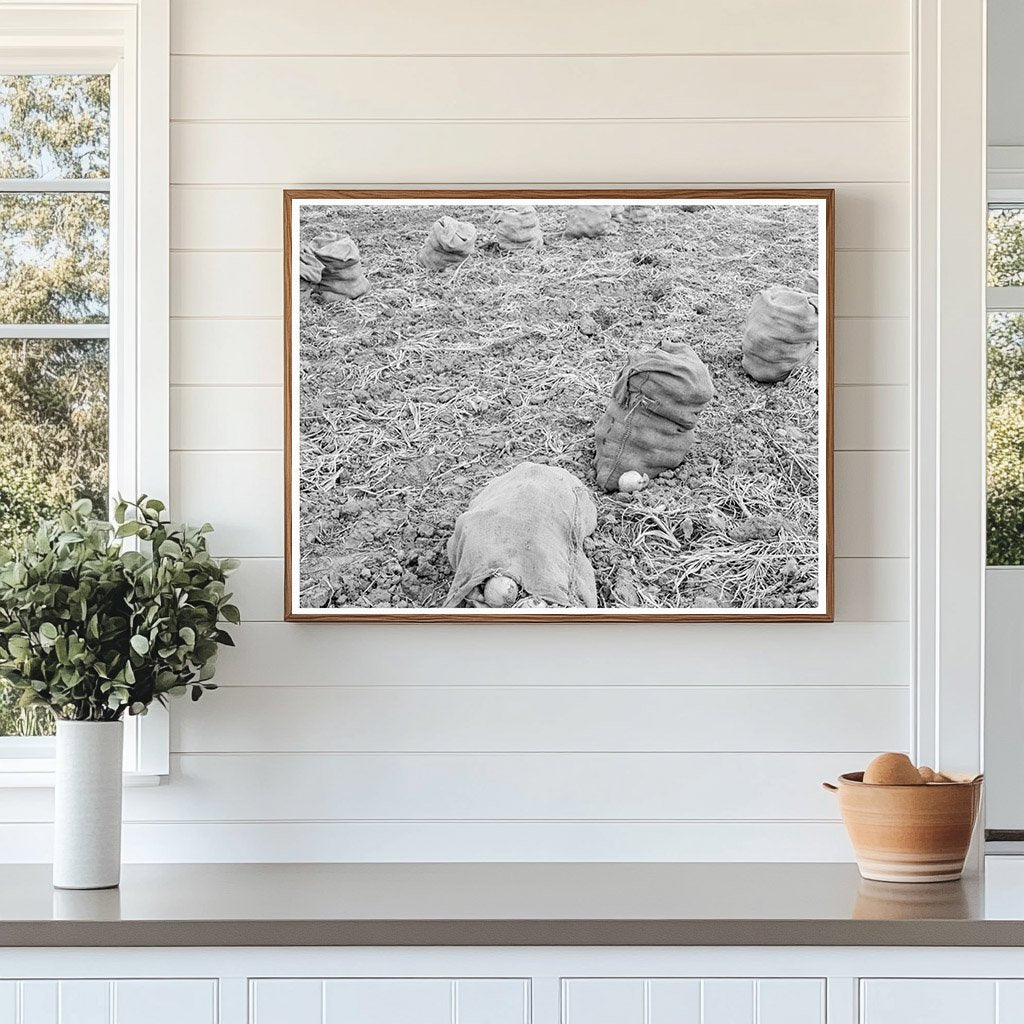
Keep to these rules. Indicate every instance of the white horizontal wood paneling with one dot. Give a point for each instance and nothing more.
(477, 87)
(872, 350)
(872, 418)
(221, 352)
(258, 588)
(551, 718)
(867, 589)
(241, 492)
(509, 787)
(872, 502)
(700, 1001)
(539, 151)
(869, 350)
(747, 654)
(236, 418)
(506, 786)
(439, 741)
(408, 27)
(873, 283)
(872, 589)
(868, 216)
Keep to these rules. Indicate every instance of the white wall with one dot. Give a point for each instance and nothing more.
(690, 741)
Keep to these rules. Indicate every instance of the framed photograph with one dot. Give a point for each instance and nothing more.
(568, 405)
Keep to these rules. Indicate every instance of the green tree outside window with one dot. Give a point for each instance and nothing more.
(54, 271)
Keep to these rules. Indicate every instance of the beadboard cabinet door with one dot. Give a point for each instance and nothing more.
(693, 1001)
(101, 1001)
(388, 1001)
(941, 1001)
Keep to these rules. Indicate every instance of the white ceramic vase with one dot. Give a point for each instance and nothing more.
(87, 806)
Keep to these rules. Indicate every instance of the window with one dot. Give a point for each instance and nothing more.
(84, 125)
(54, 308)
(1005, 478)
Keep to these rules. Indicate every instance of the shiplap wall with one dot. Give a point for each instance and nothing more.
(596, 742)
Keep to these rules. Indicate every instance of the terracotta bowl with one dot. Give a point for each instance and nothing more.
(909, 833)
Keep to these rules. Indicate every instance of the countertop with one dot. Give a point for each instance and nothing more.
(509, 904)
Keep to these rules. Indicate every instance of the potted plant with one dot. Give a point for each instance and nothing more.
(99, 620)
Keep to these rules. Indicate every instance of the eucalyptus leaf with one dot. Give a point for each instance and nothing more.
(93, 631)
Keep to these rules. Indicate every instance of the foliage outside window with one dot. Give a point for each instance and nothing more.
(54, 308)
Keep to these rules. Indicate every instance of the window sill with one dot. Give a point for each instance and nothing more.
(39, 774)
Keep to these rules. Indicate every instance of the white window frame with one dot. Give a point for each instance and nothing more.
(130, 41)
(1005, 806)
(949, 444)
(1005, 299)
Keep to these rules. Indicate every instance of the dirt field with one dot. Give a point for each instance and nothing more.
(416, 395)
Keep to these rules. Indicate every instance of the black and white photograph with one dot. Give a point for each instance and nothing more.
(538, 405)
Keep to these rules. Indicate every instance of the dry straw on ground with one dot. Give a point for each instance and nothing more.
(415, 396)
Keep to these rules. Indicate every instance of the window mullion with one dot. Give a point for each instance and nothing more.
(54, 185)
(64, 332)
(1005, 300)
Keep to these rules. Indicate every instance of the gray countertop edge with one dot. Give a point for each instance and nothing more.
(52, 934)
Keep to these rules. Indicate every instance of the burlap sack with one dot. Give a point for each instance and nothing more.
(639, 214)
(310, 269)
(518, 228)
(342, 276)
(781, 333)
(648, 424)
(450, 241)
(528, 524)
(320, 240)
(589, 222)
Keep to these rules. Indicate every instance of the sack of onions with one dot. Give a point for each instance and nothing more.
(781, 333)
(310, 269)
(639, 214)
(648, 425)
(342, 276)
(518, 228)
(520, 541)
(450, 242)
(589, 222)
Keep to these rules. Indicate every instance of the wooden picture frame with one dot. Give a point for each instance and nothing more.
(667, 203)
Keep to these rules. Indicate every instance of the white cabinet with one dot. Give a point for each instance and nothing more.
(693, 1001)
(95, 1001)
(388, 1001)
(942, 1001)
